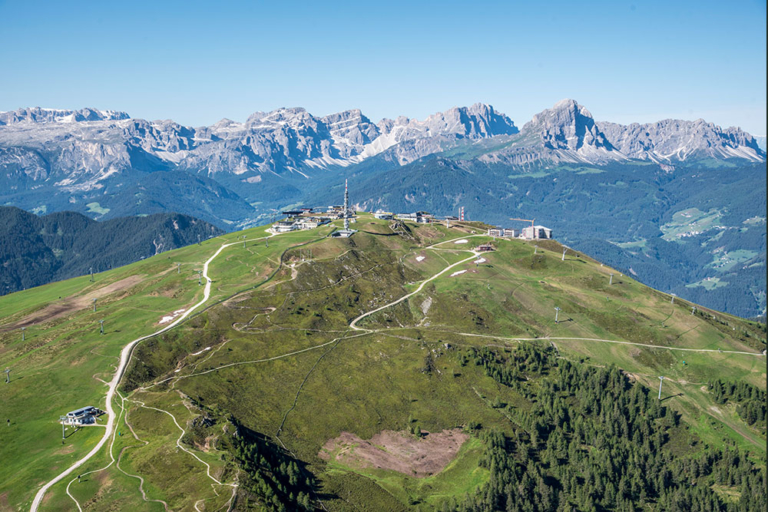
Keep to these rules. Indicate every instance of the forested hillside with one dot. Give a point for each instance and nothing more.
(594, 440)
(37, 250)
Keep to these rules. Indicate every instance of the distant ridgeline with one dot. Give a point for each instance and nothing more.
(37, 250)
(678, 204)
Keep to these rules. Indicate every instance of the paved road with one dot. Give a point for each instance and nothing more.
(125, 356)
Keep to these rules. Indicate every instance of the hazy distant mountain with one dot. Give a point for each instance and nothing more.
(61, 159)
(49, 115)
(37, 250)
(672, 139)
(761, 142)
(105, 164)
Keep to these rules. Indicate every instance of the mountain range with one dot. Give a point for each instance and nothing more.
(96, 161)
(625, 191)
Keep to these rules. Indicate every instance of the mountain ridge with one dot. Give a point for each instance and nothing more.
(38, 250)
(60, 158)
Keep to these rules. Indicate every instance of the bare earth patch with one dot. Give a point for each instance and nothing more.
(72, 303)
(396, 451)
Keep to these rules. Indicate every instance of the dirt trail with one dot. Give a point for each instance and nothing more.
(125, 355)
(72, 303)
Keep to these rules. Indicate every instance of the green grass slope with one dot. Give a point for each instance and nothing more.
(235, 405)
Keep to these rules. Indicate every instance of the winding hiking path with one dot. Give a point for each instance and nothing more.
(475, 254)
(125, 356)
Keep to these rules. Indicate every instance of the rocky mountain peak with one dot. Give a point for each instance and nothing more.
(279, 116)
(478, 121)
(567, 125)
(352, 127)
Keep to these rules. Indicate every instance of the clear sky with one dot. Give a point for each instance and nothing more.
(197, 62)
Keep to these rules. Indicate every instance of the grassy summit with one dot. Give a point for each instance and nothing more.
(266, 397)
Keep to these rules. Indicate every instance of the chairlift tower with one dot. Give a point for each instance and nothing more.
(693, 310)
(91, 269)
(673, 297)
(564, 250)
(63, 420)
(199, 277)
(7, 373)
(101, 326)
(23, 337)
(178, 268)
(557, 312)
(610, 282)
(94, 304)
(661, 382)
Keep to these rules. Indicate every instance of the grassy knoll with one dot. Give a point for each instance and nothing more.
(271, 352)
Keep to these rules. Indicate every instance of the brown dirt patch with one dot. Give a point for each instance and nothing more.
(70, 448)
(72, 303)
(396, 451)
(631, 376)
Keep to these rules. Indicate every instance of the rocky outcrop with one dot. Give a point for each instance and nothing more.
(673, 139)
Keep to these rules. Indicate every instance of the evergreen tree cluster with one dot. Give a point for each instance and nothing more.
(513, 369)
(750, 399)
(593, 440)
(275, 481)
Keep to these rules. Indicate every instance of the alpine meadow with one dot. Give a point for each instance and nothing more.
(253, 259)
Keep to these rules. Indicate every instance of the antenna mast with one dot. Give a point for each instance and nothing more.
(346, 206)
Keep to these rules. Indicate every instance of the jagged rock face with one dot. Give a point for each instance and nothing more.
(438, 132)
(567, 125)
(47, 115)
(22, 164)
(565, 133)
(679, 140)
(351, 129)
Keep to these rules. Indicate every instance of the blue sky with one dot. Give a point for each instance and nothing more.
(197, 62)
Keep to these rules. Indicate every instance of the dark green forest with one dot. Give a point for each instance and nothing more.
(593, 440)
(37, 250)
(750, 400)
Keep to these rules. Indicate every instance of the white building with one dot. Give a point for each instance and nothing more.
(284, 227)
(536, 232)
(84, 416)
(421, 217)
(504, 232)
(383, 215)
(311, 222)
